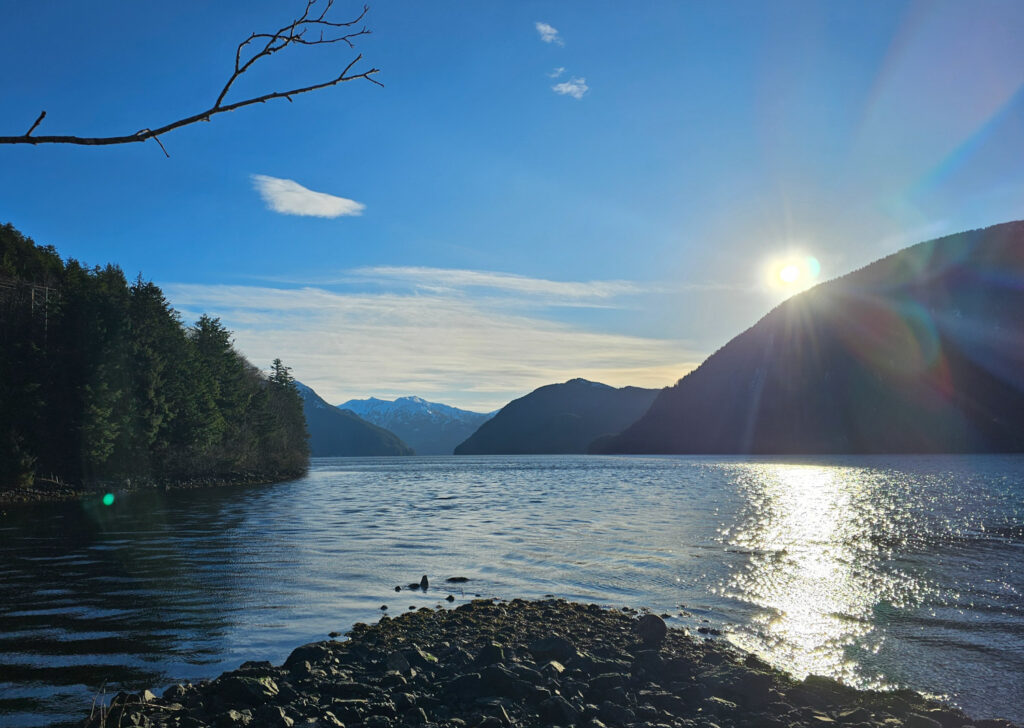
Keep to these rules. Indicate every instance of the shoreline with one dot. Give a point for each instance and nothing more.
(490, 663)
(53, 491)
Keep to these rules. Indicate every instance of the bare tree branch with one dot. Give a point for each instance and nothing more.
(248, 53)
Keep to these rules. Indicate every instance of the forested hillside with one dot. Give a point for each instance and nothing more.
(100, 381)
(558, 418)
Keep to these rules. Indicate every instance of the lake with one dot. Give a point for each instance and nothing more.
(882, 571)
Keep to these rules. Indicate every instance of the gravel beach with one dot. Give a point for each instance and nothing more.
(523, 663)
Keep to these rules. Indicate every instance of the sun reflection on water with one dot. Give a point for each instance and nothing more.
(815, 535)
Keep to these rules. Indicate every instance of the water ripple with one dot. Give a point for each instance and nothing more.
(883, 571)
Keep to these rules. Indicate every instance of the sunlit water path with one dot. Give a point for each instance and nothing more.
(882, 571)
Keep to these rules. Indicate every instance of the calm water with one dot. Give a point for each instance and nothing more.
(883, 571)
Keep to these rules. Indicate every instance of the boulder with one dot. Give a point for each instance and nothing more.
(313, 653)
(244, 691)
(552, 647)
(651, 629)
(556, 710)
(490, 654)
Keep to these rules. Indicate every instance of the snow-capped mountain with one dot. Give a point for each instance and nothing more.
(334, 432)
(429, 428)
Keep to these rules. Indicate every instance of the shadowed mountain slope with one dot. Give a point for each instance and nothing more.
(429, 428)
(558, 418)
(920, 352)
(338, 433)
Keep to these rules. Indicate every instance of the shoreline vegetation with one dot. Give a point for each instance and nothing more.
(490, 663)
(47, 490)
(102, 384)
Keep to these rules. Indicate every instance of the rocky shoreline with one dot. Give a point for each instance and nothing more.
(53, 491)
(489, 664)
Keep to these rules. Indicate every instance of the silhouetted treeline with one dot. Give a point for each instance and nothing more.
(100, 381)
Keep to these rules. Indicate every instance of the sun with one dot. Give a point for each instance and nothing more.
(793, 273)
(789, 274)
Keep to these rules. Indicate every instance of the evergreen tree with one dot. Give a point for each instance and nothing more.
(100, 381)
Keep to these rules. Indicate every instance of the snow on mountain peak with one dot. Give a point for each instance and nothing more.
(429, 427)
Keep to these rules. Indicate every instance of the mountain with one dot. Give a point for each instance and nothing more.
(920, 352)
(558, 418)
(335, 433)
(429, 428)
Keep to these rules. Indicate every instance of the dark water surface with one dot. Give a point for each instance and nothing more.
(896, 571)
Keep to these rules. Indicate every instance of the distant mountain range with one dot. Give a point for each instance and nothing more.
(429, 428)
(559, 418)
(920, 352)
(336, 433)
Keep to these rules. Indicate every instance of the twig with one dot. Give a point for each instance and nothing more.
(157, 140)
(39, 119)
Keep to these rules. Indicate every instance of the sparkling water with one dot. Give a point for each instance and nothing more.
(881, 571)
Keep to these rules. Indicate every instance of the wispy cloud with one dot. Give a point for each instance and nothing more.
(556, 72)
(523, 291)
(539, 290)
(548, 34)
(473, 352)
(575, 87)
(290, 198)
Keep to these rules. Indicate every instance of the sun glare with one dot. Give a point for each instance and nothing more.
(793, 273)
(789, 274)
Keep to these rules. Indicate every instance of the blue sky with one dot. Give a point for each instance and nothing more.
(544, 189)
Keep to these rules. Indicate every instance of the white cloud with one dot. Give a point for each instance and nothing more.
(556, 72)
(532, 290)
(548, 34)
(470, 352)
(290, 198)
(574, 87)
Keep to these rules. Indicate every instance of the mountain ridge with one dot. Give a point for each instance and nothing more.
(920, 351)
(342, 433)
(558, 418)
(430, 428)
